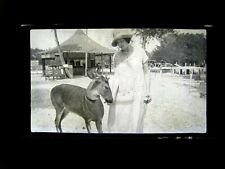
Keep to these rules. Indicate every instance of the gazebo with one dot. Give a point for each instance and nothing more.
(80, 53)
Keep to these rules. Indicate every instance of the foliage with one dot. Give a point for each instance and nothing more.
(34, 54)
(182, 48)
(147, 34)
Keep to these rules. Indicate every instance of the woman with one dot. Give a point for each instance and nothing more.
(130, 86)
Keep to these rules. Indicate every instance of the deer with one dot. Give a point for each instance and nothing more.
(85, 102)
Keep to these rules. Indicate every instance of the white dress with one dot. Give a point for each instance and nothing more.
(126, 114)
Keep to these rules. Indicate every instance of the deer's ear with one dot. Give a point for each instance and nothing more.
(92, 73)
(95, 83)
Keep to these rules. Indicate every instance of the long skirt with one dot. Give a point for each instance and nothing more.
(126, 114)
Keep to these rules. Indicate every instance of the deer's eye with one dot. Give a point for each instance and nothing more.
(106, 87)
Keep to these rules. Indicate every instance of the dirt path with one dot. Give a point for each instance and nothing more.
(176, 107)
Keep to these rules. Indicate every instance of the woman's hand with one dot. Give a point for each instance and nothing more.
(147, 99)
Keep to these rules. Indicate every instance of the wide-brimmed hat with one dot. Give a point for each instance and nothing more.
(121, 34)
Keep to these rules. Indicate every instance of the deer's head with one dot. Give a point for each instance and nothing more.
(99, 86)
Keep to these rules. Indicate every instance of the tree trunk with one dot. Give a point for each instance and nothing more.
(144, 41)
(68, 74)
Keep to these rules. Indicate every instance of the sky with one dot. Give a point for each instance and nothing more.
(44, 38)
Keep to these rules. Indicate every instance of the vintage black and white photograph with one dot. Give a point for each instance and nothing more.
(129, 80)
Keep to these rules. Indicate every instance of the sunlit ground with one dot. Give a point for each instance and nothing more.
(176, 106)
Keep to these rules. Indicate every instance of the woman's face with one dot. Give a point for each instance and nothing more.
(122, 44)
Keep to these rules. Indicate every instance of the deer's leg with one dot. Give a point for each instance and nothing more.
(59, 113)
(64, 114)
(99, 126)
(88, 126)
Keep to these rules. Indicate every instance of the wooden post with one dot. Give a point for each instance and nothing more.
(43, 67)
(86, 63)
(110, 63)
(101, 64)
(86, 58)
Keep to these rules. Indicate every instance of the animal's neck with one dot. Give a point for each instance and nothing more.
(92, 95)
(91, 92)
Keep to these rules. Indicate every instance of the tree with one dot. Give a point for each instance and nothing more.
(182, 48)
(147, 34)
(61, 55)
(35, 54)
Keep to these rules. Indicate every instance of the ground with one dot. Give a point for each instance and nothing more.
(176, 106)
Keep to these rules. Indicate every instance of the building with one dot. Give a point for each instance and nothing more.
(79, 52)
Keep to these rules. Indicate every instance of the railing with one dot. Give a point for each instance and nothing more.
(54, 72)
